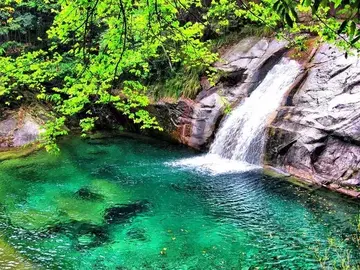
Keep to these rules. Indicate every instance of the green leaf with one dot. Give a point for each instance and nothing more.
(306, 3)
(315, 6)
(294, 13)
(288, 20)
(337, 3)
(356, 39)
(352, 29)
(277, 5)
(342, 27)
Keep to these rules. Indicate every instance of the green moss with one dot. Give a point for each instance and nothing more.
(81, 210)
(111, 192)
(292, 179)
(10, 259)
(298, 182)
(19, 152)
(33, 219)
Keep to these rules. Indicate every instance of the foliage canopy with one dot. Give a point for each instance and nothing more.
(81, 56)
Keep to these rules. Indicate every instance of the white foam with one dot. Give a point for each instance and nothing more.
(213, 164)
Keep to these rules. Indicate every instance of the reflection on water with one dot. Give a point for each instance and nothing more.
(121, 204)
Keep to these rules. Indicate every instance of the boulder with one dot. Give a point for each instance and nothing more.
(20, 127)
(317, 137)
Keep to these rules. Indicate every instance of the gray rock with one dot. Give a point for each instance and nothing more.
(19, 127)
(27, 133)
(318, 138)
(244, 65)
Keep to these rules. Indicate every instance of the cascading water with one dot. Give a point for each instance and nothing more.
(239, 143)
(241, 136)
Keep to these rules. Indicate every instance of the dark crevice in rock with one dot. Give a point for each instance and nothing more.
(289, 101)
(216, 127)
(315, 154)
(346, 139)
(283, 149)
(233, 78)
(338, 72)
(86, 194)
(351, 86)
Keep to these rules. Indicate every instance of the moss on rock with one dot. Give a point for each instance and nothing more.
(11, 259)
(19, 152)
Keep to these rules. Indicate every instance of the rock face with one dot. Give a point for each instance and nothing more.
(19, 127)
(316, 135)
(243, 66)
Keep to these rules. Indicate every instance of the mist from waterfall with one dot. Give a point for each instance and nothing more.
(239, 142)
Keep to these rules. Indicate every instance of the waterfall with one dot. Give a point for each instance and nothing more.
(241, 135)
(239, 142)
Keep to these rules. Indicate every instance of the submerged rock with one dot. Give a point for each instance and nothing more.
(11, 259)
(112, 192)
(88, 235)
(85, 240)
(121, 213)
(53, 208)
(86, 194)
(33, 219)
(137, 234)
(83, 211)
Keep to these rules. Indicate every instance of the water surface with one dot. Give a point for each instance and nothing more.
(118, 204)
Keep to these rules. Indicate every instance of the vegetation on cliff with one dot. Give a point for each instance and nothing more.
(82, 57)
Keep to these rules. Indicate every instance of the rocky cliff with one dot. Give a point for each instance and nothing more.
(315, 135)
(243, 66)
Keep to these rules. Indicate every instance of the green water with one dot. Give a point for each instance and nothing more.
(117, 204)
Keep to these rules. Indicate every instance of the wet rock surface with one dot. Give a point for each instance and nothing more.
(315, 135)
(137, 234)
(243, 66)
(318, 136)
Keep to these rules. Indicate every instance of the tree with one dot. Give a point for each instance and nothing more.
(96, 53)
